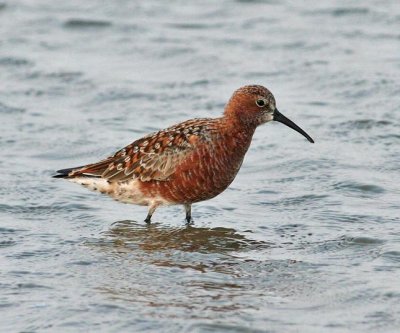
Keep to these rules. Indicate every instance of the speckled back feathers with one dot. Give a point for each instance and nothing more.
(153, 157)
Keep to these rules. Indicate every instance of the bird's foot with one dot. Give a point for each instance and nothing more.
(189, 221)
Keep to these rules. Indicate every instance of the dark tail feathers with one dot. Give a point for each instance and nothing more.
(64, 173)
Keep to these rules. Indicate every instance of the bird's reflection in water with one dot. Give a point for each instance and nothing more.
(158, 238)
(179, 268)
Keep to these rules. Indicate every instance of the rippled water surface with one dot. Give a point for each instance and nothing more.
(306, 239)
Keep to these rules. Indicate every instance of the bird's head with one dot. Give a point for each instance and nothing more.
(255, 105)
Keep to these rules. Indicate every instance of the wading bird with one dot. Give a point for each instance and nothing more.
(189, 162)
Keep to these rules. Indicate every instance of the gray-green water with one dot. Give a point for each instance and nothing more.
(306, 239)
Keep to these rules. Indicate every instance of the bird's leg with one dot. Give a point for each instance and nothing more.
(150, 213)
(148, 218)
(188, 210)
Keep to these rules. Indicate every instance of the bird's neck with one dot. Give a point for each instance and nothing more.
(240, 133)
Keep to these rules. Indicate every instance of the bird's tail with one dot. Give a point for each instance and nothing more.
(66, 173)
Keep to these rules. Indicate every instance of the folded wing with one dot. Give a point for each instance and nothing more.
(154, 157)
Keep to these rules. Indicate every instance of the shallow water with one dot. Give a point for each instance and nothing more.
(307, 237)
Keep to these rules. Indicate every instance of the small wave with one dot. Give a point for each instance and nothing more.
(363, 124)
(393, 256)
(340, 12)
(7, 243)
(116, 94)
(357, 245)
(32, 286)
(350, 11)
(257, 1)
(62, 76)
(10, 109)
(359, 187)
(14, 61)
(86, 23)
(194, 26)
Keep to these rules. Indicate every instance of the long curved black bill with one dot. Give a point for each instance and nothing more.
(282, 119)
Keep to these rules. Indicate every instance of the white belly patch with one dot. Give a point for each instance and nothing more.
(127, 192)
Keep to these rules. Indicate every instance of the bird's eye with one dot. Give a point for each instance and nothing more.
(260, 103)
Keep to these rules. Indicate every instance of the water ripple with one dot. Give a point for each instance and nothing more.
(77, 23)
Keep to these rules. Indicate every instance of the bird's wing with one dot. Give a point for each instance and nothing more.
(154, 157)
